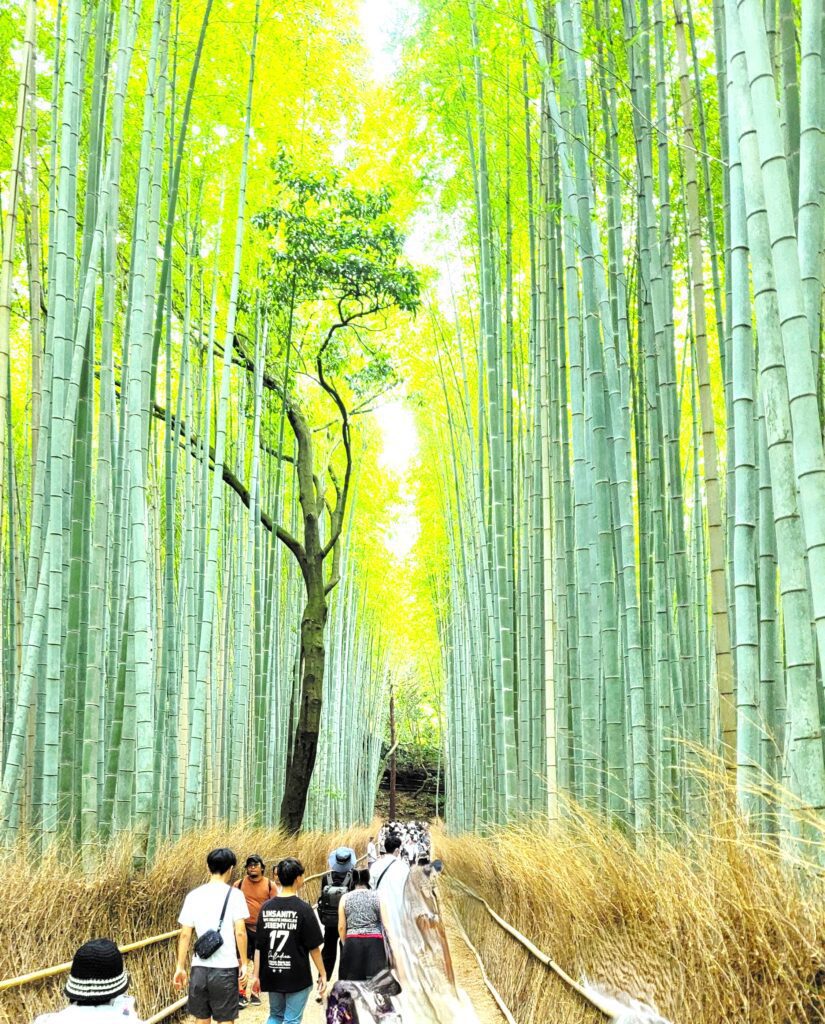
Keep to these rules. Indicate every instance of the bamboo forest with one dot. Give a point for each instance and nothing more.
(427, 390)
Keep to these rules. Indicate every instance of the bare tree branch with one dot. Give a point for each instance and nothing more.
(233, 481)
(335, 569)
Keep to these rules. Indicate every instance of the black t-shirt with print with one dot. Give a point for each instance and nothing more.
(286, 931)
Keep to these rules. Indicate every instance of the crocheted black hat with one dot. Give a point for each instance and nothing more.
(97, 974)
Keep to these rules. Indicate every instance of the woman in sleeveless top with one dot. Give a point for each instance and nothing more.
(359, 926)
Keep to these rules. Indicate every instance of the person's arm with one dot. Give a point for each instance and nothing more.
(257, 952)
(185, 937)
(240, 916)
(322, 971)
(256, 972)
(240, 939)
(342, 920)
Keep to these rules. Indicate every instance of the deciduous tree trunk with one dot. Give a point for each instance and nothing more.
(301, 760)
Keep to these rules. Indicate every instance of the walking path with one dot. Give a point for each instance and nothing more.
(467, 976)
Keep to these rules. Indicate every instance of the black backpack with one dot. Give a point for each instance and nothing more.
(330, 898)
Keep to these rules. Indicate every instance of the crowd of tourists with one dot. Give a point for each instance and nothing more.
(258, 935)
(414, 836)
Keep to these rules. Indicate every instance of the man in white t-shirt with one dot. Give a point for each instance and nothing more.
(388, 876)
(372, 852)
(214, 985)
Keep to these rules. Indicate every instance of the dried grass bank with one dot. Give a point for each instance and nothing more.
(720, 933)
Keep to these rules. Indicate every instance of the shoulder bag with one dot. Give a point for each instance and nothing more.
(211, 941)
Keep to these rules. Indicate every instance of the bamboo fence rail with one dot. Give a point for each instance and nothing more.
(167, 1011)
(589, 997)
(494, 992)
(50, 972)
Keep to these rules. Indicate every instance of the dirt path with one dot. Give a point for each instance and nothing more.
(467, 975)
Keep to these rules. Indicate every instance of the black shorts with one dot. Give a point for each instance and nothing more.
(213, 992)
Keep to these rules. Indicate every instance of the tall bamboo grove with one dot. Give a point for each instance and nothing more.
(632, 385)
(151, 676)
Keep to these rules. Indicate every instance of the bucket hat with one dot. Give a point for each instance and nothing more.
(343, 859)
(97, 974)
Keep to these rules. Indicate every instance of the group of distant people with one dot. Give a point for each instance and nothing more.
(257, 935)
(415, 839)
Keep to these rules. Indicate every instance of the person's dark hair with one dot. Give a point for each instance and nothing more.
(220, 860)
(288, 870)
(392, 843)
(361, 877)
(253, 858)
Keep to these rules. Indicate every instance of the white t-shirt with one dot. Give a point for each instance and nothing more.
(390, 888)
(372, 852)
(202, 911)
(393, 882)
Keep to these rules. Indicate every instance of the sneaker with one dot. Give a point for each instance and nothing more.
(242, 1002)
(254, 1000)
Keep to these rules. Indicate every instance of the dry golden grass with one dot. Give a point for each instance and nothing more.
(49, 907)
(718, 932)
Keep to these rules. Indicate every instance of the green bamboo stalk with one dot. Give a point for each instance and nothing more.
(777, 175)
(805, 755)
(15, 189)
(507, 769)
(744, 564)
(194, 767)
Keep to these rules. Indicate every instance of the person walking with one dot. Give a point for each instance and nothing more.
(364, 953)
(287, 935)
(335, 883)
(96, 988)
(390, 871)
(388, 876)
(216, 912)
(256, 889)
(372, 852)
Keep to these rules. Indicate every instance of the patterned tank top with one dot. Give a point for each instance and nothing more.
(363, 913)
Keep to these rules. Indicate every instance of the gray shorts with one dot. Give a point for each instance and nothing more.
(213, 992)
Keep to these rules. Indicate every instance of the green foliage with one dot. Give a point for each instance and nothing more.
(329, 241)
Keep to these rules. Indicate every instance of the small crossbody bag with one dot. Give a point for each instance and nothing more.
(211, 941)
